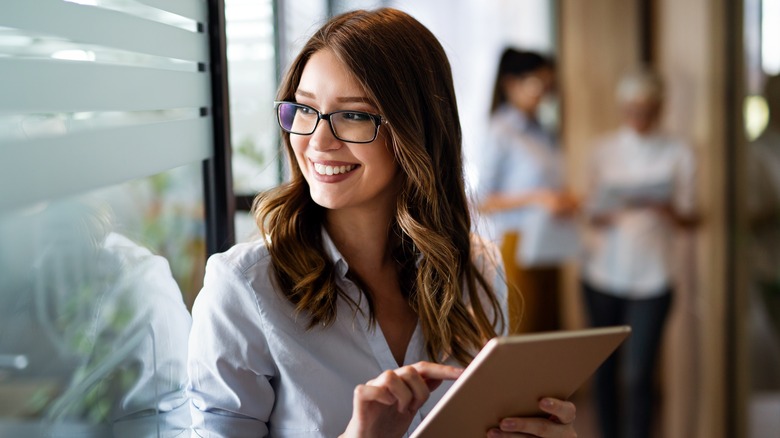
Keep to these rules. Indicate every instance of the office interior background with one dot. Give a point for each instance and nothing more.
(135, 133)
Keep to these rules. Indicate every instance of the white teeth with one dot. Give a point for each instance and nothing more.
(332, 170)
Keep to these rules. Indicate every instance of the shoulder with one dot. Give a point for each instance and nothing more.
(483, 249)
(506, 122)
(486, 257)
(679, 149)
(244, 257)
(236, 277)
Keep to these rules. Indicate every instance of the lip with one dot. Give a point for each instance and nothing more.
(331, 178)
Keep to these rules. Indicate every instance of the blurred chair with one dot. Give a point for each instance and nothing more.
(532, 299)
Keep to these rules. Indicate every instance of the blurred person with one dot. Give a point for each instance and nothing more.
(92, 326)
(641, 191)
(368, 292)
(521, 184)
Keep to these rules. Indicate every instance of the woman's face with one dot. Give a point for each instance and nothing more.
(526, 92)
(641, 114)
(342, 175)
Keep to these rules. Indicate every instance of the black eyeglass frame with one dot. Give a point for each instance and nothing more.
(378, 119)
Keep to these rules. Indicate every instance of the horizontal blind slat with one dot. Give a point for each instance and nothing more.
(193, 9)
(92, 25)
(47, 168)
(31, 85)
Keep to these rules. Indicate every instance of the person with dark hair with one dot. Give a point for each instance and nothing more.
(521, 183)
(367, 292)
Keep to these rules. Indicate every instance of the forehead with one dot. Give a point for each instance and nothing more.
(326, 76)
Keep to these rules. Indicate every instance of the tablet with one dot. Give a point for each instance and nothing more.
(512, 373)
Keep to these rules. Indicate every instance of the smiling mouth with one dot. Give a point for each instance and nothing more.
(323, 169)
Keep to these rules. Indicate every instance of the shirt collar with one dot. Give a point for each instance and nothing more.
(338, 260)
(648, 138)
(334, 255)
(521, 123)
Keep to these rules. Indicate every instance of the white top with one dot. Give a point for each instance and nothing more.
(632, 257)
(519, 157)
(254, 369)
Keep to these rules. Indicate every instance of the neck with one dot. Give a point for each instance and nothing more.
(362, 237)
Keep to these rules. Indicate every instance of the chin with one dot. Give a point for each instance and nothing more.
(326, 201)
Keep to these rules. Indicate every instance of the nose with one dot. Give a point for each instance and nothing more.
(322, 139)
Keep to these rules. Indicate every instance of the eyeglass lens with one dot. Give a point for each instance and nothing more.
(350, 126)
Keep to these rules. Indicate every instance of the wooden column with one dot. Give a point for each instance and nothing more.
(598, 41)
(691, 52)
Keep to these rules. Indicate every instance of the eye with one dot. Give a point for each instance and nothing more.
(306, 110)
(355, 116)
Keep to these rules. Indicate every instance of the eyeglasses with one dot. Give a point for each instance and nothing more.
(347, 126)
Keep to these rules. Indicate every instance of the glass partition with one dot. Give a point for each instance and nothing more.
(105, 124)
(93, 320)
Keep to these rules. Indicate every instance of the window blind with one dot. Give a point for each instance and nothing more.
(98, 92)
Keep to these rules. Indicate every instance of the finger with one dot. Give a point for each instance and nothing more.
(564, 411)
(397, 387)
(537, 427)
(435, 371)
(368, 393)
(416, 384)
(498, 433)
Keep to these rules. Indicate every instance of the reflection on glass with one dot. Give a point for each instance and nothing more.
(93, 325)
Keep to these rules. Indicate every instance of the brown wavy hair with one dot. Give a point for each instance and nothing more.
(405, 72)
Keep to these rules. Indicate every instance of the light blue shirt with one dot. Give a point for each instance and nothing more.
(256, 371)
(519, 157)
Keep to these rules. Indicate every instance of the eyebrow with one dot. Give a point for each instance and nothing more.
(348, 99)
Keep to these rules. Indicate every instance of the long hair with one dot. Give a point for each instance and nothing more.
(405, 72)
(515, 63)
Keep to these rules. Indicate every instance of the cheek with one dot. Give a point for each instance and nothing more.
(298, 150)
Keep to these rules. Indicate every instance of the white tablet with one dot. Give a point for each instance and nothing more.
(512, 373)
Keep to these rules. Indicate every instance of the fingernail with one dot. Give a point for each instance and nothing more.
(494, 433)
(547, 403)
(508, 425)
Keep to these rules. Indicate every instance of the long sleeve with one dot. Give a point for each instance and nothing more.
(230, 365)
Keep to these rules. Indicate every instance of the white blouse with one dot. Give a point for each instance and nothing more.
(256, 371)
(632, 257)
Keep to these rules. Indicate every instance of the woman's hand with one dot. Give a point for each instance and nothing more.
(557, 203)
(385, 406)
(560, 424)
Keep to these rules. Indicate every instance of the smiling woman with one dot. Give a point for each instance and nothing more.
(368, 293)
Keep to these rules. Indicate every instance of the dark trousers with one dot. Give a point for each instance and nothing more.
(624, 383)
